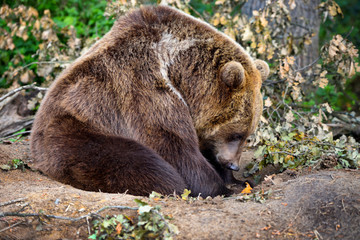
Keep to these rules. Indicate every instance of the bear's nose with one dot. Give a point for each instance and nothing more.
(232, 166)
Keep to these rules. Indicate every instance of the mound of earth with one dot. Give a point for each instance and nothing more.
(302, 205)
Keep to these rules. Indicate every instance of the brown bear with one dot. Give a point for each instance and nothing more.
(145, 106)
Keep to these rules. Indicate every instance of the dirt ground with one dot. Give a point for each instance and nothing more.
(303, 205)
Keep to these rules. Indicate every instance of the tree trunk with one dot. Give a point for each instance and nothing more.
(304, 16)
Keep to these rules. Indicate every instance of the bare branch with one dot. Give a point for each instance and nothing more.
(11, 226)
(307, 66)
(14, 135)
(31, 86)
(40, 63)
(12, 202)
(14, 214)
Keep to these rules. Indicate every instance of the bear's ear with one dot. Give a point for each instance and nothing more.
(263, 67)
(232, 74)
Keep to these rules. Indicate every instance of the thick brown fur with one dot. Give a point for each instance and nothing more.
(133, 113)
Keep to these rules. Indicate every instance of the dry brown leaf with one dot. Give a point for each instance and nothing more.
(289, 117)
(267, 102)
(323, 82)
(333, 51)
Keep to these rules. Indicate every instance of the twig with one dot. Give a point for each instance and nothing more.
(288, 153)
(342, 201)
(164, 220)
(88, 225)
(317, 234)
(31, 86)
(348, 34)
(292, 221)
(14, 135)
(14, 225)
(33, 63)
(12, 214)
(12, 202)
(307, 66)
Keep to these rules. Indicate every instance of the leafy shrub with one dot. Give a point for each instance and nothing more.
(149, 224)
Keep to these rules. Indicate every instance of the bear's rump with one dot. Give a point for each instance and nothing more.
(68, 152)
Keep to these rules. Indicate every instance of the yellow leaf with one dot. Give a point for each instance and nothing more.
(332, 10)
(247, 189)
(223, 20)
(185, 195)
(253, 45)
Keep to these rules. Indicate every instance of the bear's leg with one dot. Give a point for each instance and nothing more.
(69, 153)
(184, 155)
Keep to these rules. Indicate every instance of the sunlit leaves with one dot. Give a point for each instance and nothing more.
(342, 55)
(330, 7)
(26, 27)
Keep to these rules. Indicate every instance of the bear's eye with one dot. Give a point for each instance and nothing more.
(235, 137)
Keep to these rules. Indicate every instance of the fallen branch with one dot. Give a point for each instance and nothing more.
(12, 202)
(31, 86)
(14, 214)
(11, 226)
(14, 135)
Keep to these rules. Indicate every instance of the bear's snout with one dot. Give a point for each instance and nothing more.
(232, 167)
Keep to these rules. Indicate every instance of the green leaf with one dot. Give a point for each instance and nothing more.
(5, 167)
(154, 195)
(107, 223)
(276, 158)
(92, 236)
(145, 209)
(260, 151)
(140, 203)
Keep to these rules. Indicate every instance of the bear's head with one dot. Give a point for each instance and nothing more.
(223, 136)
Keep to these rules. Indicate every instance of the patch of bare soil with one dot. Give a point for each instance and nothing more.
(303, 205)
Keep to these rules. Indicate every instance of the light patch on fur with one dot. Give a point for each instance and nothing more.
(167, 49)
(217, 31)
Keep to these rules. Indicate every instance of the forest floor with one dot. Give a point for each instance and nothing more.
(307, 204)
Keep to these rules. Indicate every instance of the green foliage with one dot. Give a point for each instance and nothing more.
(50, 32)
(56, 32)
(292, 148)
(259, 197)
(14, 164)
(149, 224)
(17, 136)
